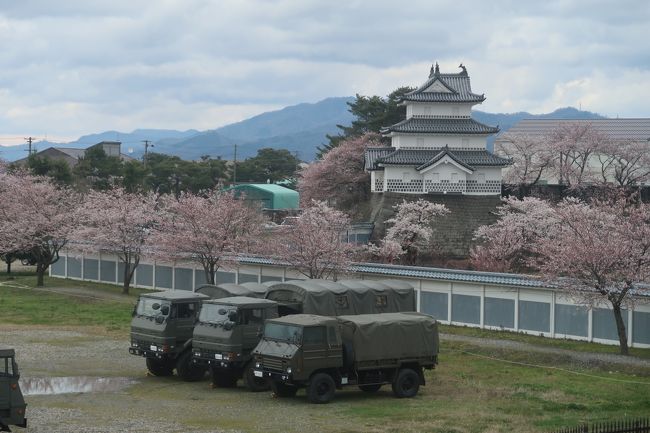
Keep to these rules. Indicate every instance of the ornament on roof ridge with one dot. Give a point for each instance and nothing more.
(437, 69)
(464, 72)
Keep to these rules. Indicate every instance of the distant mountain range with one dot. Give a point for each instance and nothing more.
(299, 128)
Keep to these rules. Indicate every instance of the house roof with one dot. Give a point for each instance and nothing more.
(71, 151)
(418, 125)
(376, 158)
(459, 86)
(274, 196)
(618, 129)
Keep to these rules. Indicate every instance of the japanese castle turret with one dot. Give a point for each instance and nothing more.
(438, 148)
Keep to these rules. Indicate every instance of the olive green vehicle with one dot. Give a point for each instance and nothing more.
(161, 332)
(163, 324)
(227, 331)
(323, 354)
(12, 403)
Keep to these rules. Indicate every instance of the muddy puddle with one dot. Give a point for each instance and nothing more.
(69, 385)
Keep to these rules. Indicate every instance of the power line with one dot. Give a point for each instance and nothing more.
(29, 141)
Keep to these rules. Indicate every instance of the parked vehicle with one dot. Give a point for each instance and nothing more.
(163, 324)
(225, 334)
(323, 354)
(228, 352)
(161, 332)
(12, 403)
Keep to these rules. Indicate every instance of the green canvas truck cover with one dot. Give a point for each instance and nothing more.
(390, 335)
(224, 290)
(329, 298)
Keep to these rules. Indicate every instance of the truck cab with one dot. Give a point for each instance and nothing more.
(161, 332)
(227, 331)
(12, 403)
(294, 347)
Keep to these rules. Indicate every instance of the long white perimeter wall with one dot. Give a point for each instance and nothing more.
(477, 299)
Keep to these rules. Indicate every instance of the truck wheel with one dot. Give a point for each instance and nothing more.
(281, 389)
(254, 383)
(406, 384)
(321, 388)
(370, 388)
(159, 367)
(187, 370)
(223, 378)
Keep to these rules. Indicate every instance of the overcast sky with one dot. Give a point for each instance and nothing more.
(68, 68)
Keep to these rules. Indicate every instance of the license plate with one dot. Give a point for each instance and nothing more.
(154, 348)
(218, 356)
(258, 373)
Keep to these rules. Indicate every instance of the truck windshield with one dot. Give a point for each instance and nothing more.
(151, 307)
(280, 332)
(218, 314)
(8, 367)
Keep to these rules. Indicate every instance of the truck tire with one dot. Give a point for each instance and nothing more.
(321, 388)
(406, 383)
(187, 370)
(254, 383)
(281, 389)
(223, 378)
(370, 388)
(159, 367)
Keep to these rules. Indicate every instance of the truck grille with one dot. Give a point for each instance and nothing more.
(273, 364)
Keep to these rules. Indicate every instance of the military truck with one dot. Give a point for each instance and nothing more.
(225, 334)
(163, 323)
(228, 352)
(329, 298)
(12, 403)
(323, 354)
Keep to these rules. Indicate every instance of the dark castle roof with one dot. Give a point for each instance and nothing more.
(460, 89)
(377, 157)
(423, 125)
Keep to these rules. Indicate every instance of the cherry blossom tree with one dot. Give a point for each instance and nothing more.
(507, 244)
(313, 243)
(209, 228)
(531, 158)
(120, 223)
(37, 217)
(597, 252)
(339, 178)
(388, 251)
(574, 146)
(412, 227)
(625, 162)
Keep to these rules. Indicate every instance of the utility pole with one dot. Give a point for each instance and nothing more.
(146, 146)
(234, 168)
(29, 141)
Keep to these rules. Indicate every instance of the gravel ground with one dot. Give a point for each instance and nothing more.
(150, 404)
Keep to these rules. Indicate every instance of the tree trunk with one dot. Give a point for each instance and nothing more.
(209, 273)
(40, 274)
(127, 278)
(620, 327)
(8, 266)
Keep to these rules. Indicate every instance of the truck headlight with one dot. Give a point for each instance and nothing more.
(197, 353)
(289, 370)
(258, 365)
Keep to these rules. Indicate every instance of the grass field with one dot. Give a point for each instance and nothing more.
(474, 388)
